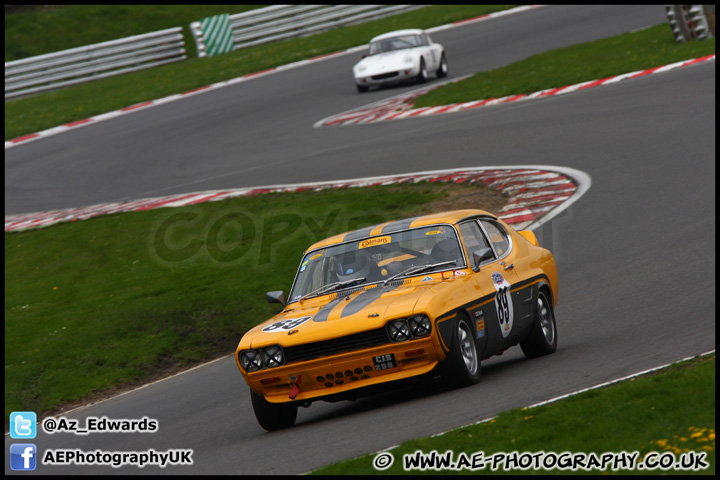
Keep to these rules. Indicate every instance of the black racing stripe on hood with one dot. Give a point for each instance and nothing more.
(322, 314)
(366, 298)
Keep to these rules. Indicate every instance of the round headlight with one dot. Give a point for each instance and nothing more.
(420, 325)
(399, 331)
(273, 356)
(250, 360)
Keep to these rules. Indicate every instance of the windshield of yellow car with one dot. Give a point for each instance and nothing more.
(376, 259)
(394, 43)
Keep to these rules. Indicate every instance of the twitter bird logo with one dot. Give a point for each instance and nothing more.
(23, 425)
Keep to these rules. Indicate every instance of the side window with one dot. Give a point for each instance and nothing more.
(473, 238)
(498, 237)
(426, 39)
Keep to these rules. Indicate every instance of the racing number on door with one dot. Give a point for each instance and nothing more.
(503, 310)
(503, 303)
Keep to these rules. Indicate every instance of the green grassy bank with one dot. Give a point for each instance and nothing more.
(667, 416)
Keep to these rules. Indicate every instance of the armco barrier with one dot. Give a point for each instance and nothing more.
(92, 62)
(280, 22)
(689, 22)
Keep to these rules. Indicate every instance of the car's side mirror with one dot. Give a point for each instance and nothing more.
(276, 297)
(481, 255)
(364, 55)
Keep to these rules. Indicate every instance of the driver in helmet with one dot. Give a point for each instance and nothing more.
(354, 264)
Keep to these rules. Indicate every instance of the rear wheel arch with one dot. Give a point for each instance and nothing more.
(422, 75)
(443, 68)
(544, 285)
(541, 339)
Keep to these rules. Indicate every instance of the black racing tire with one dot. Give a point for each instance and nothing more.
(422, 75)
(461, 368)
(443, 69)
(273, 416)
(361, 88)
(542, 338)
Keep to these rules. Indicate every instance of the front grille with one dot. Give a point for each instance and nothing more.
(356, 341)
(383, 76)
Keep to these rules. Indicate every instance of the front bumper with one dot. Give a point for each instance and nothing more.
(327, 376)
(386, 78)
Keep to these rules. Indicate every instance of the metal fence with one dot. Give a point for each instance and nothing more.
(280, 22)
(83, 64)
(691, 22)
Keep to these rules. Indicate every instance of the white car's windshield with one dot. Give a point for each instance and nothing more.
(394, 43)
(377, 259)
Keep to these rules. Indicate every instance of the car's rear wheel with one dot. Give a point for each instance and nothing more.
(442, 71)
(273, 416)
(422, 75)
(461, 368)
(542, 339)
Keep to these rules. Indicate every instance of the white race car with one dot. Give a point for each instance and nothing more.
(400, 56)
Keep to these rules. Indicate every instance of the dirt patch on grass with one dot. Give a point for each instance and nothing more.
(464, 196)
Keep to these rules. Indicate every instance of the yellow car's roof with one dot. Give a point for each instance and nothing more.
(450, 217)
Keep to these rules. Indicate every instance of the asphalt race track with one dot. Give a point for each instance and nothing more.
(636, 254)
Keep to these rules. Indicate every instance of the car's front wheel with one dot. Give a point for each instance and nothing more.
(361, 88)
(461, 368)
(542, 339)
(273, 416)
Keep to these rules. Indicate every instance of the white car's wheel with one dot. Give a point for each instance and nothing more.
(361, 88)
(442, 71)
(422, 75)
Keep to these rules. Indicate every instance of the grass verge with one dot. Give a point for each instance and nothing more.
(121, 299)
(641, 50)
(667, 416)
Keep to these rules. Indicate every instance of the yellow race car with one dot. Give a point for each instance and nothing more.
(421, 296)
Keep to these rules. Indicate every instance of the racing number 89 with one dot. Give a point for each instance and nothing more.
(503, 309)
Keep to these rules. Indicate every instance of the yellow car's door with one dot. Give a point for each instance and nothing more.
(506, 306)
